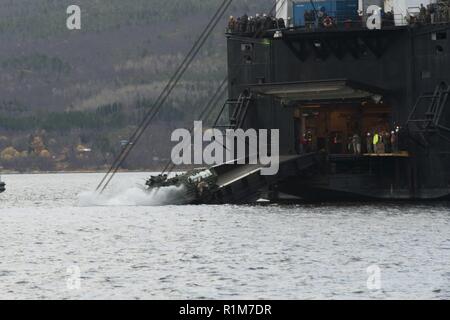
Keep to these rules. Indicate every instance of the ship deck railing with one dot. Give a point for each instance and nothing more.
(342, 24)
(344, 21)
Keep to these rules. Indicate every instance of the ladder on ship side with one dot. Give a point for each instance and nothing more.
(425, 119)
(240, 109)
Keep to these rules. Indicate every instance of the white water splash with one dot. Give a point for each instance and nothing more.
(132, 197)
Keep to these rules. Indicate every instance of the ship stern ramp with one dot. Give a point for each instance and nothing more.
(244, 183)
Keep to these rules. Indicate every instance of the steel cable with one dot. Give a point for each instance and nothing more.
(164, 95)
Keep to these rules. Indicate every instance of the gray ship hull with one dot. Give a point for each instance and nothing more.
(337, 83)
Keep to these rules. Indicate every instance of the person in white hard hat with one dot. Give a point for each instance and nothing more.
(369, 143)
(394, 141)
(231, 24)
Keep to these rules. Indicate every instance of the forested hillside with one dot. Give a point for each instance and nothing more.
(86, 89)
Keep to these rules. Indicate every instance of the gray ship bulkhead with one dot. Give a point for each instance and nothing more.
(324, 69)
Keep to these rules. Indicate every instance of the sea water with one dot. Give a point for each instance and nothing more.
(60, 240)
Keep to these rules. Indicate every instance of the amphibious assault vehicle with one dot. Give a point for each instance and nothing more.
(196, 186)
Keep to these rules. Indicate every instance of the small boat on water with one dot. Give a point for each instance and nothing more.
(2, 186)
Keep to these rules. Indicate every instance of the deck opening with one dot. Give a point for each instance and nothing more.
(341, 128)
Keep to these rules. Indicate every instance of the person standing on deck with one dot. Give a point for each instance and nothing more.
(369, 143)
(381, 144)
(251, 25)
(231, 25)
(422, 13)
(375, 142)
(394, 142)
(356, 142)
(281, 23)
(244, 23)
(350, 145)
(387, 142)
(258, 23)
(267, 22)
(238, 25)
(306, 16)
(308, 141)
(301, 145)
